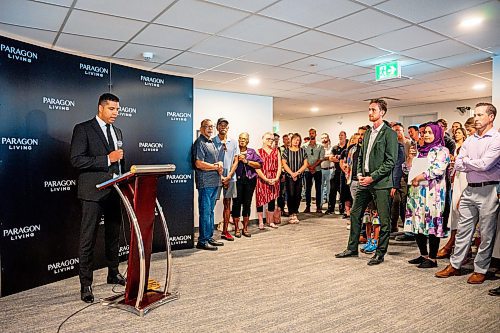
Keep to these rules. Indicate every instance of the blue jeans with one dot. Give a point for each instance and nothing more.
(206, 203)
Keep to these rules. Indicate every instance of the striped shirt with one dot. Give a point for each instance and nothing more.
(294, 159)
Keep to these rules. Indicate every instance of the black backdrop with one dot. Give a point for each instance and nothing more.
(43, 94)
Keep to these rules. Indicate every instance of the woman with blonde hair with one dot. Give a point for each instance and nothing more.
(268, 185)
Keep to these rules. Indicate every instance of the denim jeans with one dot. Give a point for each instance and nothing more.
(325, 184)
(206, 203)
(317, 185)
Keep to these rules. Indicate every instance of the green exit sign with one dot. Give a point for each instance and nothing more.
(390, 70)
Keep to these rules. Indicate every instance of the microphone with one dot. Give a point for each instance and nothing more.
(119, 145)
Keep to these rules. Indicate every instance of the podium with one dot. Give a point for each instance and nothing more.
(137, 190)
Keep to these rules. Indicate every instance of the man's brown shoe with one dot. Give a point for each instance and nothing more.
(447, 272)
(443, 253)
(476, 278)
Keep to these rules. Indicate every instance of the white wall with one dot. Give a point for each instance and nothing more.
(495, 87)
(245, 113)
(350, 122)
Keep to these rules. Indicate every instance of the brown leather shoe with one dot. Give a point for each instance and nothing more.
(443, 253)
(476, 278)
(447, 272)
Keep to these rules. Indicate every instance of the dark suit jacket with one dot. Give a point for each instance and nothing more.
(383, 157)
(89, 150)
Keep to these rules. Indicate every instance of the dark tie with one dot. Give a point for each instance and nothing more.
(111, 143)
(114, 166)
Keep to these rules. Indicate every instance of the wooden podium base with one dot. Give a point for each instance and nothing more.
(151, 300)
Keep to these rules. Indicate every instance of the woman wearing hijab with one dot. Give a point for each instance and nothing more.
(426, 195)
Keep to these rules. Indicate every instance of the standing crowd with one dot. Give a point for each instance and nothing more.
(432, 183)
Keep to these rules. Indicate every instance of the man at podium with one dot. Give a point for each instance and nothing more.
(96, 153)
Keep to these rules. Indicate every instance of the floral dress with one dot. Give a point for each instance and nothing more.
(425, 205)
(265, 192)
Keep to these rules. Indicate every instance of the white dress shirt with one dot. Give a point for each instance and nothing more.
(371, 141)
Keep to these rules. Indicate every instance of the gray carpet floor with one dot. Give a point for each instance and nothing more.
(279, 280)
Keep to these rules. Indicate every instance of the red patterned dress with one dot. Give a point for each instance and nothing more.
(265, 192)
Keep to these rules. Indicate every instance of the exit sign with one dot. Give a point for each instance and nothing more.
(390, 70)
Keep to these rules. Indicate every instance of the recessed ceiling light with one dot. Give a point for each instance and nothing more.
(253, 81)
(471, 22)
(314, 109)
(479, 86)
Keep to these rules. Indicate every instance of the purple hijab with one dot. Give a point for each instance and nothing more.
(438, 139)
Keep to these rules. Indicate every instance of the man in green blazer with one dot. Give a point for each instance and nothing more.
(376, 160)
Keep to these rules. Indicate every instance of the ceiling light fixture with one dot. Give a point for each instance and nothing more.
(253, 81)
(314, 109)
(471, 22)
(479, 86)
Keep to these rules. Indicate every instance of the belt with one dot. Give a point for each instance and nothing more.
(327, 168)
(493, 182)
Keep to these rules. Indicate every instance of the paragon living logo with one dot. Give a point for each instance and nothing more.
(94, 70)
(18, 54)
(19, 143)
(152, 81)
(177, 179)
(124, 250)
(63, 266)
(59, 185)
(28, 231)
(127, 111)
(58, 103)
(150, 146)
(178, 116)
(179, 240)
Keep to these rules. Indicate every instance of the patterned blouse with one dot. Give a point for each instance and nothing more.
(294, 159)
(425, 205)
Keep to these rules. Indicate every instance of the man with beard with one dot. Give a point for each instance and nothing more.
(376, 161)
(315, 154)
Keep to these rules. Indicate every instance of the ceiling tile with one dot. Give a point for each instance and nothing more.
(438, 50)
(339, 85)
(419, 69)
(310, 78)
(242, 67)
(141, 64)
(88, 45)
(38, 36)
(352, 53)
(134, 51)
(404, 39)
(312, 64)
(462, 59)
(477, 68)
(200, 16)
(371, 2)
(312, 42)
(411, 10)
(170, 37)
(279, 73)
(372, 62)
(221, 46)
(32, 14)
(440, 75)
(311, 13)
(65, 3)
(273, 56)
(251, 6)
(101, 26)
(190, 59)
(286, 85)
(132, 9)
(262, 30)
(180, 69)
(346, 71)
(217, 76)
(358, 27)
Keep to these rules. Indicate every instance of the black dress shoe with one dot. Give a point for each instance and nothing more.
(213, 242)
(206, 246)
(347, 253)
(416, 261)
(328, 212)
(427, 263)
(307, 210)
(494, 292)
(86, 294)
(116, 279)
(375, 260)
